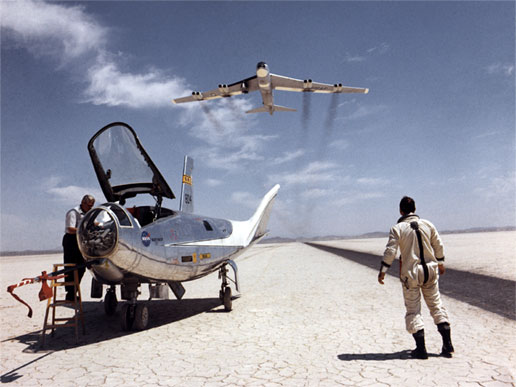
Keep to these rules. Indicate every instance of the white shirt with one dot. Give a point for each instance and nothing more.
(73, 218)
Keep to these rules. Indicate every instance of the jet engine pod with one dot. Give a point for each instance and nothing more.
(97, 233)
(224, 89)
(197, 95)
(307, 83)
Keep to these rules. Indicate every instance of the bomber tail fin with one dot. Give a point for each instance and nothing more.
(279, 108)
(186, 204)
(262, 109)
(271, 109)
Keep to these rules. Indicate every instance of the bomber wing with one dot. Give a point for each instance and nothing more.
(280, 82)
(241, 87)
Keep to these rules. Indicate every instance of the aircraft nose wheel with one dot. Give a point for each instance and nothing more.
(227, 299)
(225, 290)
(134, 316)
(110, 302)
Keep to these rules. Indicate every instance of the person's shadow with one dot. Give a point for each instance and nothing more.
(402, 355)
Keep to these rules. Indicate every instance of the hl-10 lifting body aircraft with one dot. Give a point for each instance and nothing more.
(266, 83)
(153, 244)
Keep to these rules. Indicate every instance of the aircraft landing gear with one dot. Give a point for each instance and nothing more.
(110, 301)
(225, 290)
(134, 316)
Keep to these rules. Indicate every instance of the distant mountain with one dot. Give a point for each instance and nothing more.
(480, 229)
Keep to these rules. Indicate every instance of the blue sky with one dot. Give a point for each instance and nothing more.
(438, 123)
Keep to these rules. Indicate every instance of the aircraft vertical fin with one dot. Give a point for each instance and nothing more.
(186, 204)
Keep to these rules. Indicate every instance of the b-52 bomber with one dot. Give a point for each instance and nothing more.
(129, 246)
(266, 82)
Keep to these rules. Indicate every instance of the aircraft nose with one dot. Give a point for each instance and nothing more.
(97, 234)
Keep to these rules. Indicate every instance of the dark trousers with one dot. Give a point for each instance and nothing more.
(72, 254)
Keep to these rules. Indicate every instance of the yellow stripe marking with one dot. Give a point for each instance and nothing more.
(187, 179)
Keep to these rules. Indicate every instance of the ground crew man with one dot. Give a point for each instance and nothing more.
(71, 252)
(421, 262)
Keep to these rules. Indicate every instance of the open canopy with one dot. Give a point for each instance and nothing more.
(122, 166)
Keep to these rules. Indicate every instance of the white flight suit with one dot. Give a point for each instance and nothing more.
(402, 235)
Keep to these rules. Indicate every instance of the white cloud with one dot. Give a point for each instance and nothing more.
(313, 173)
(382, 48)
(499, 187)
(366, 111)
(40, 25)
(245, 198)
(354, 58)
(505, 69)
(288, 156)
(69, 194)
(68, 33)
(315, 193)
(487, 134)
(213, 182)
(340, 144)
(110, 86)
(353, 197)
(222, 126)
(372, 181)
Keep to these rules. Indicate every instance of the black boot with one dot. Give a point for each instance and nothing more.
(444, 330)
(420, 351)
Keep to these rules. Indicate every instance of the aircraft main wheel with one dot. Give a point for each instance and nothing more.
(227, 299)
(141, 317)
(110, 303)
(96, 288)
(127, 317)
(221, 296)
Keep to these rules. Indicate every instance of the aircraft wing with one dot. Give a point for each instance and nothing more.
(241, 87)
(280, 82)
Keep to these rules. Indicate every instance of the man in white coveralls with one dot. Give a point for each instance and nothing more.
(421, 262)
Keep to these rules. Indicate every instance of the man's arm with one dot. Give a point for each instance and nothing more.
(437, 245)
(389, 254)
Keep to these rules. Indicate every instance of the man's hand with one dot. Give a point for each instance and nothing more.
(381, 277)
(442, 270)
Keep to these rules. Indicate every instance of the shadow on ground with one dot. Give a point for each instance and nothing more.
(100, 327)
(402, 355)
(493, 294)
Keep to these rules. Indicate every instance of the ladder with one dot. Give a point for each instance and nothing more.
(54, 302)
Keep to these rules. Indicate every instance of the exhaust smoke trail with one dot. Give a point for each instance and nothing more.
(305, 119)
(212, 119)
(328, 125)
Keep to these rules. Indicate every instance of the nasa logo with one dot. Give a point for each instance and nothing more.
(146, 239)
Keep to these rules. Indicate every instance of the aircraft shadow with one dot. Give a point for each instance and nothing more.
(100, 327)
(493, 294)
(402, 355)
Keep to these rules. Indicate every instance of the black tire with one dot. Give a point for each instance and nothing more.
(127, 317)
(141, 317)
(227, 300)
(96, 289)
(110, 303)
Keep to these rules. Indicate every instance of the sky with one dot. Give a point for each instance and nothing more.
(438, 123)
